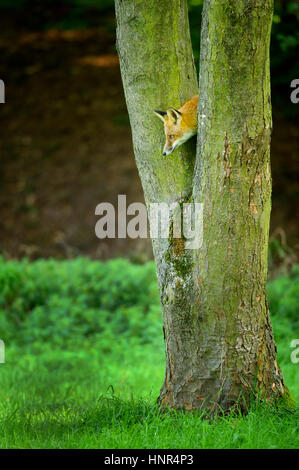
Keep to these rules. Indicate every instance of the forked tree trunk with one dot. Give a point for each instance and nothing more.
(219, 343)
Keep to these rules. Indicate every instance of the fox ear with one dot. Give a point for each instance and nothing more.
(174, 115)
(160, 114)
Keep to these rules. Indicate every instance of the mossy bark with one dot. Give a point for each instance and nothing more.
(218, 337)
(157, 68)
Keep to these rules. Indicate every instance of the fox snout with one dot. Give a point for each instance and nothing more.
(167, 150)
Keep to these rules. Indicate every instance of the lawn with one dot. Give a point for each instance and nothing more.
(84, 362)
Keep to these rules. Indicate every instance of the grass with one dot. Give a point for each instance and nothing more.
(58, 393)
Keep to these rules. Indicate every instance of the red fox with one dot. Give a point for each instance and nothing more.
(179, 125)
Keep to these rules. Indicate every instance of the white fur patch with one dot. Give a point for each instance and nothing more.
(183, 139)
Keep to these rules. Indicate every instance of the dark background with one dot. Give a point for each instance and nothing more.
(65, 142)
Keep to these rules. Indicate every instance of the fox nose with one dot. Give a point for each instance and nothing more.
(167, 151)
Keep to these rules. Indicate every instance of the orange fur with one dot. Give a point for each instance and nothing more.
(189, 113)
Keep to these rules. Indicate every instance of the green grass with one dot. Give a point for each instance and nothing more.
(85, 362)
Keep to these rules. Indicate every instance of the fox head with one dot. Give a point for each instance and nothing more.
(176, 129)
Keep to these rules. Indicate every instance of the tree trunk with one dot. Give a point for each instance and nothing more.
(232, 179)
(157, 68)
(218, 337)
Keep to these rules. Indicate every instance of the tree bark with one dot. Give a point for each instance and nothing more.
(157, 68)
(218, 338)
(232, 179)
